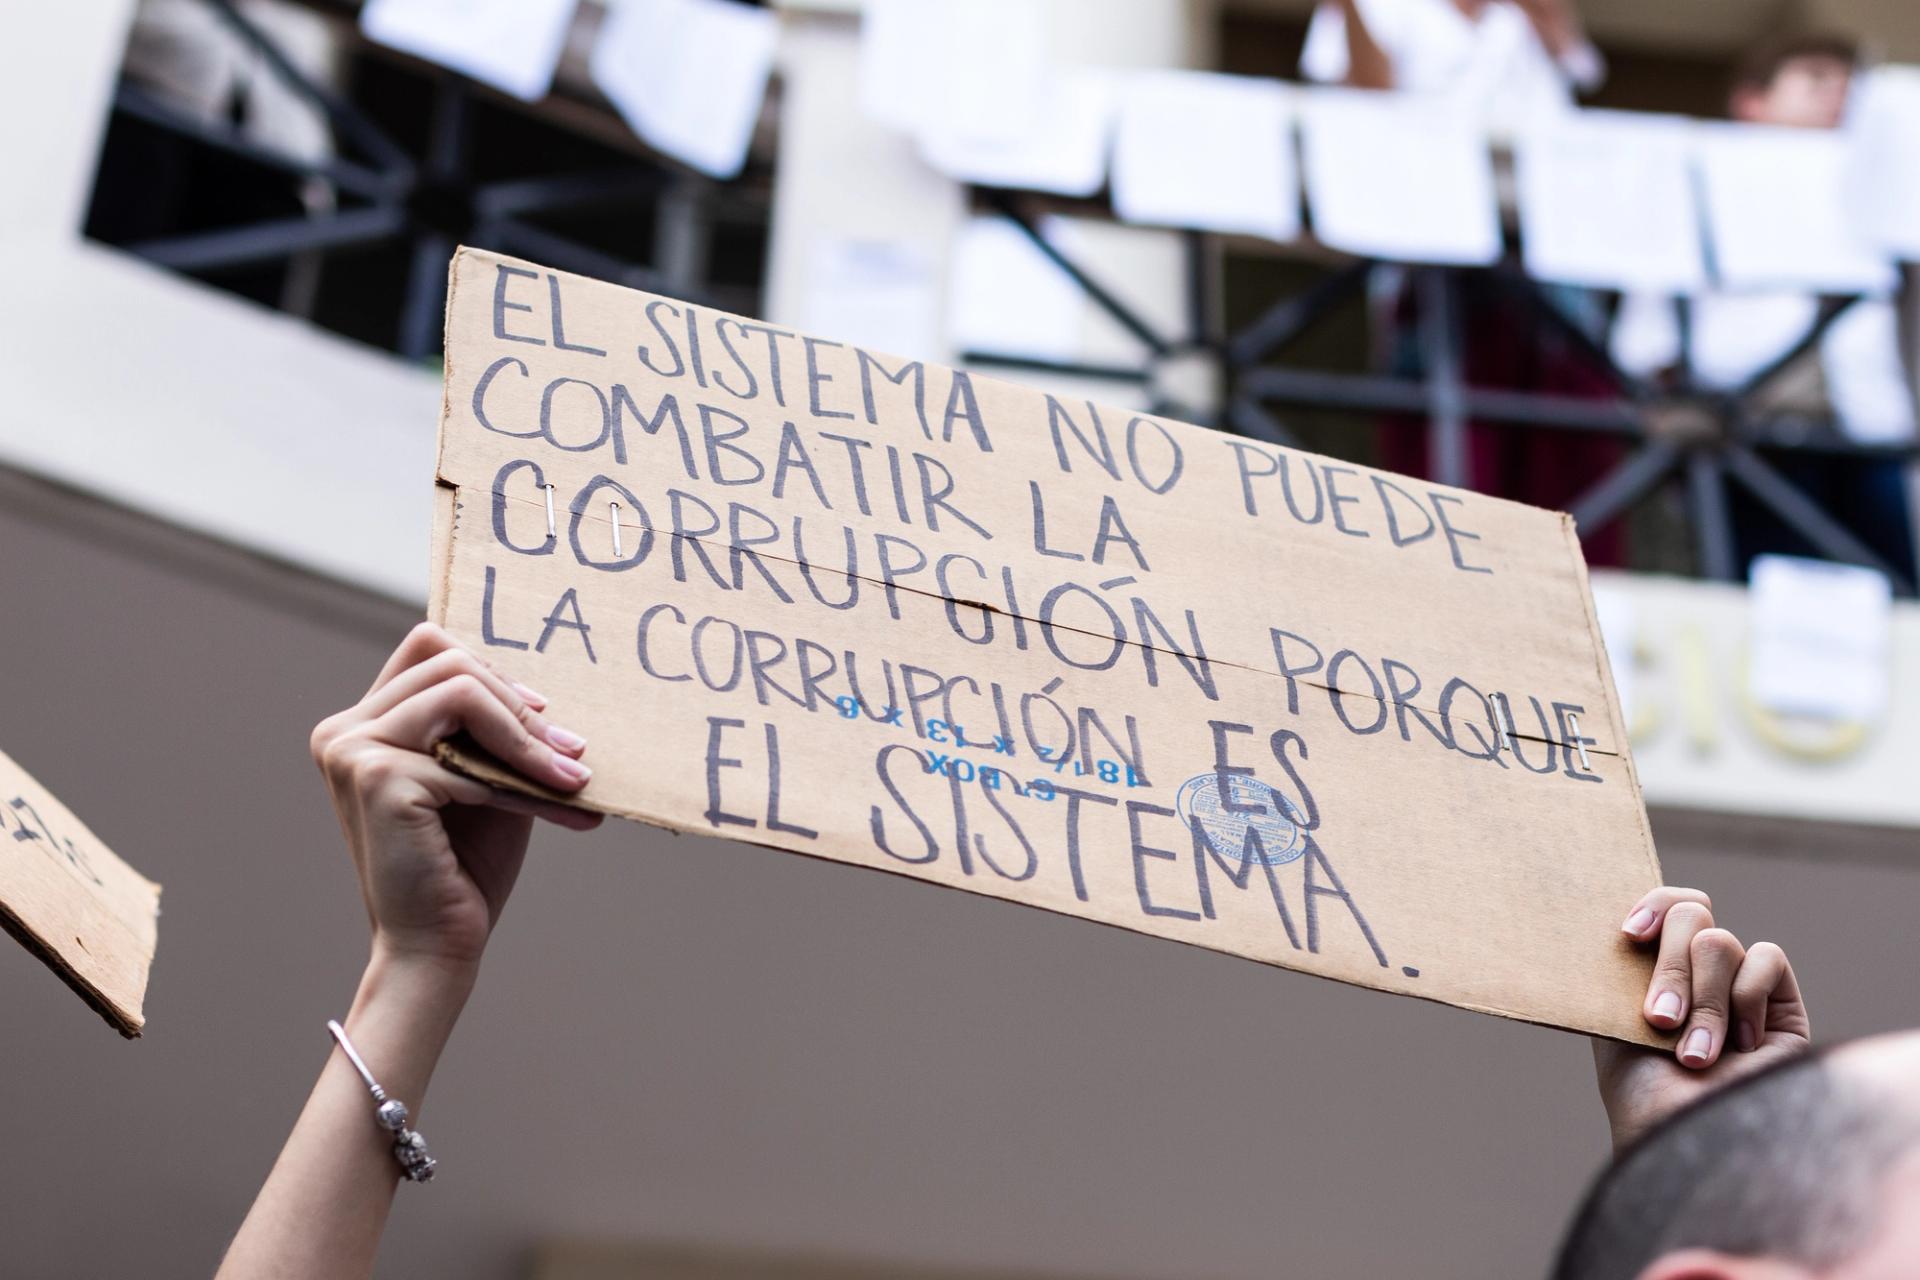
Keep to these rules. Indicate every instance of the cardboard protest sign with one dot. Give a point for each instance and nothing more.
(892, 614)
(90, 917)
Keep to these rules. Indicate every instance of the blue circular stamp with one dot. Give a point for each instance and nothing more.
(1274, 818)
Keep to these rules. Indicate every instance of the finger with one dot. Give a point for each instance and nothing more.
(1643, 921)
(564, 815)
(446, 786)
(1766, 997)
(425, 641)
(459, 660)
(421, 643)
(440, 787)
(1716, 956)
(1672, 986)
(464, 702)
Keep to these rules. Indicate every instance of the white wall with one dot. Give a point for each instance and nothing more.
(1702, 743)
(148, 389)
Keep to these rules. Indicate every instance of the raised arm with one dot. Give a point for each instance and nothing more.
(1560, 29)
(1369, 66)
(436, 855)
(1736, 1008)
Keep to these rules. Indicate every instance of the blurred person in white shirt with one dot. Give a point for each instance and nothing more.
(1856, 373)
(1502, 63)
(1799, 82)
(1509, 59)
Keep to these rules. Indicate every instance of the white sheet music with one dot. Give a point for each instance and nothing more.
(962, 69)
(1063, 149)
(894, 37)
(1777, 214)
(1606, 200)
(1007, 297)
(1215, 152)
(1866, 382)
(1398, 176)
(1883, 170)
(689, 76)
(1736, 335)
(1821, 638)
(881, 294)
(513, 45)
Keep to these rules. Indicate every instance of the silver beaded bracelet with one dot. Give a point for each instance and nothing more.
(409, 1148)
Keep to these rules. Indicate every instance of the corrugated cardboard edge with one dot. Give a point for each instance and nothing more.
(1658, 1039)
(127, 1016)
(1604, 675)
(446, 514)
(129, 1023)
(446, 497)
(460, 256)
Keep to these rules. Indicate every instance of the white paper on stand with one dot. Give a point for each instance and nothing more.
(1821, 638)
(1007, 297)
(513, 45)
(1372, 160)
(1213, 152)
(688, 76)
(879, 294)
(895, 37)
(1867, 384)
(1736, 335)
(1646, 336)
(1777, 213)
(962, 69)
(1063, 150)
(1606, 201)
(1883, 159)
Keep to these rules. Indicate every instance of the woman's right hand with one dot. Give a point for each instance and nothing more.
(1735, 1007)
(437, 853)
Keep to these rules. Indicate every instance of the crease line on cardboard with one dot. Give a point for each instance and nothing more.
(1486, 701)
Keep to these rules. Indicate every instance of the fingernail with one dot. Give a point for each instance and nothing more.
(1667, 1006)
(1638, 922)
(572, 769)
(1699, 1043)
(533, 697)
(1744, 1035)
(564, 739)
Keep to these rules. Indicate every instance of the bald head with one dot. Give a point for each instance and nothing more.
(1888, 1062)
(1808, 1169)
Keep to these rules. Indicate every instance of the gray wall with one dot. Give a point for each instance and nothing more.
(681, 1038)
